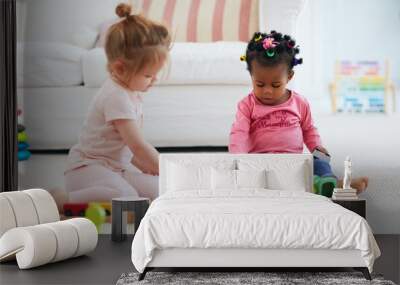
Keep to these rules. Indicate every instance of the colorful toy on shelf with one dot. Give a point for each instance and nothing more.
(23, 155)
(23, 152)
(22, 138)
(362, 87)
(324, 185)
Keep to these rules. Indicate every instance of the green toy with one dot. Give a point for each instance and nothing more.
(22, 137)
(96, 213)
(324, 185)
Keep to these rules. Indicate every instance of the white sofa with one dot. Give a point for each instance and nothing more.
(31, 231)
(59, 73)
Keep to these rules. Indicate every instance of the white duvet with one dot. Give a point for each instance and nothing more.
(250, 219)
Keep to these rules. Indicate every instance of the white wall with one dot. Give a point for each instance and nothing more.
(344, 29)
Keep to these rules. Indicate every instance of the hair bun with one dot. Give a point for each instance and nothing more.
(123, 10)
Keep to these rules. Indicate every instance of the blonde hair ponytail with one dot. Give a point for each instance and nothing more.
(136, 40)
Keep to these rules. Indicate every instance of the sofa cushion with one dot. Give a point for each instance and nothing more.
(189, 63)
(203, 21)
(48, 64)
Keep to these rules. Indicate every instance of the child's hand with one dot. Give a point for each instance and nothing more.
(142, 167)
(145, 155)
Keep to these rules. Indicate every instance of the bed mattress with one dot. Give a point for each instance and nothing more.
(254, 218)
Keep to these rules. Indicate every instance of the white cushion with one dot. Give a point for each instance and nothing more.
(288, 176)
(282, 174)
(85, 37)
(46, 64)
(227, 179)
(31, 246)
(7, 220)
(40, 244)
(67, 239)
(189, 63)
(223, 179)
(34, 244)
(23, 208)
(188, 175)
(94, 67)
(251, 178)
(87, 233)
(45, 205)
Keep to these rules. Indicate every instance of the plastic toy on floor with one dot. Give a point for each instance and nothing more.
(97, 214)
(79, 209)
(324, 185)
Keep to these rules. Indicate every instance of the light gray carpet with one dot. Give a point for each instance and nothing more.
(242, 278)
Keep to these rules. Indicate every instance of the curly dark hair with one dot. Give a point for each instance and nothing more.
(272, 49)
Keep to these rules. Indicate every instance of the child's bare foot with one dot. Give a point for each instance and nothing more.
(359, 183)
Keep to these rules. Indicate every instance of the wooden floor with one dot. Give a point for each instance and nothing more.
(110, 260)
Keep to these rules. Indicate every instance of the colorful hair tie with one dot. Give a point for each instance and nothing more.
(297, 61)
(270, 52)
(269, 43)
(243, 58)
(259, 37)
(290, 44)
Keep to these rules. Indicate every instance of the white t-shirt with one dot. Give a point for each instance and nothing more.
(99, 141)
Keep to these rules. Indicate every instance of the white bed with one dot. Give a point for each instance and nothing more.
(198, 221)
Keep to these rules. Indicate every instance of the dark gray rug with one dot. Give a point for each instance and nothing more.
(243, 278)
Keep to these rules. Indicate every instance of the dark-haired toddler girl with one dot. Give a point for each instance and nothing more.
(272, 118)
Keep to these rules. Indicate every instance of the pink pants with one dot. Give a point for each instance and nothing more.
(99, 183)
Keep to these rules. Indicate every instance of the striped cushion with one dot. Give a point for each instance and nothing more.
(203, 20)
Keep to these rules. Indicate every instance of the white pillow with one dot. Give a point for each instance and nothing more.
(251, 178)
(227, 179)
(291, 177)
(85, 38)
(223, 179)
(282, 174)
(187, 177)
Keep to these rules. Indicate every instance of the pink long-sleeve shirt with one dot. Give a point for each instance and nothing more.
(282, 128)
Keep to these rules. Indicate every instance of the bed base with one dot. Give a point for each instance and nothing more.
(239, 260)
(363, 270)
